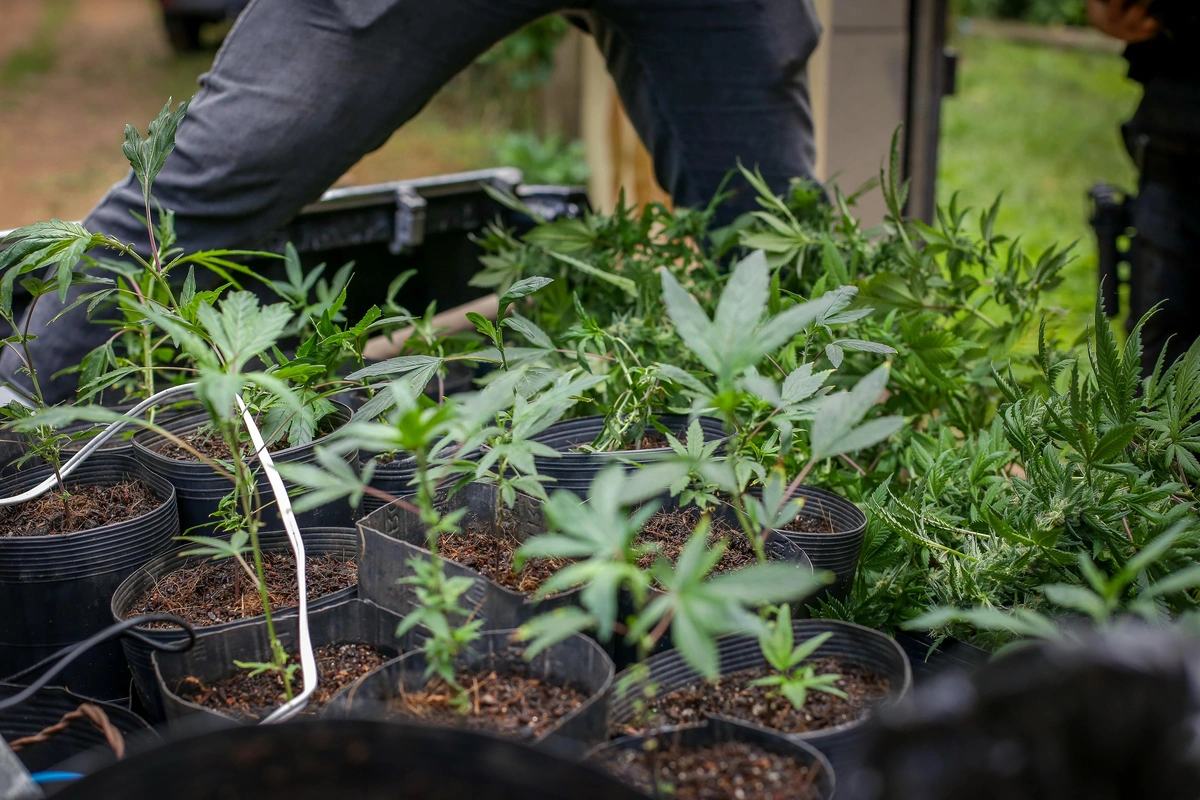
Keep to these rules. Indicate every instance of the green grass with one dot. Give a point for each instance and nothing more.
(1041, 125)
(37, 57)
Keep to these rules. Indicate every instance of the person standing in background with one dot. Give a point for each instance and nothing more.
(1163, 138)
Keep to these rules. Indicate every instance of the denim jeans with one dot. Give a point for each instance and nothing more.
(302, 89)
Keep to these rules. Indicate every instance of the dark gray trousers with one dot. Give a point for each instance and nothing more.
(302, 89)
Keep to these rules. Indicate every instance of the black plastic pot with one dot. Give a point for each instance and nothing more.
(55, 590)
(576, 661)
(79, 743)
(347, 760)
(837, 552)
(349, 622)
(717, 730)
(842, 745)
(317, 542)
(199, 489)
(391, 536)
(394, 477)
(575, 471)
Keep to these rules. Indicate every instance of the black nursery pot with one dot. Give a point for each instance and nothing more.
(349, 622)
(80, 747)
(317, 542)
(718, 730)
(391, 536)
(575, 471)
(842, 744)
(342, 759)
(199, 489)
(55, 590)
(576, 661)
(838, 551)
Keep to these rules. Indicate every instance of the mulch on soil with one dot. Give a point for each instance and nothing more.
(491, 555)
(211, 444)
(671, 529)
(731, 696)
(506, 700)
(213, 592)
(89, 507)
(725, 771)
(253, 697)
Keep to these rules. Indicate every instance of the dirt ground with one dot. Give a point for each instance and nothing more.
(74, 72)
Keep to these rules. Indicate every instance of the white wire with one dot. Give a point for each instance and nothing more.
(308, 661)
(95, 444)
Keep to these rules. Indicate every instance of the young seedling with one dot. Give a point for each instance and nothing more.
(794, 678)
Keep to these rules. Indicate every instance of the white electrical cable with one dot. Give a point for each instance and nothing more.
(308, 661)
(95, 444)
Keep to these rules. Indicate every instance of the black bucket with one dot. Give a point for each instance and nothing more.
(348, 622)
(347, 760)
(199, 489)
(317, 542)
(576, 661)
(55, 590)
(842, 745)
(391, 536)
(394, 477)
(575, 471)
(717, 730)
(838, 551)
(79, 743)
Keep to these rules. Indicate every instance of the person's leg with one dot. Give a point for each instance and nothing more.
(1166, 270)
(709, 83)
(299, 92)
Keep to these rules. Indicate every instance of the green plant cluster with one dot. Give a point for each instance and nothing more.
(1041, 12)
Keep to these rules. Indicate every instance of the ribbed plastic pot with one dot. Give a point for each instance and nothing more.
(575, 471)
(55, 590)
(576, 661)
(348, 622)
(838, 551)
(718, 730)
(391, 537)
(327, 759)
(842, 745)
(199, 488)
(317, 542)
(79, 742)
(394, 477)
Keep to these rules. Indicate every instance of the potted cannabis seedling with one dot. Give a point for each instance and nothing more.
(460, 674)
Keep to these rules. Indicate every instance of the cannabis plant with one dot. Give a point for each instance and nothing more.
(793, 678)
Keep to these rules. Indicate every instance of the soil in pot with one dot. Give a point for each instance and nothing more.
(671, 529)
(719, 771)
(213, 592)
(87, 507)
(803, 524)
(252, 697)
(732, 696)
(210, 443)
(650, 440)
(505, 699)
(491, 555)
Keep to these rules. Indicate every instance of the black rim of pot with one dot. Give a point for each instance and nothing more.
(317, 541)
(718, 729)
(403, 530)
(347, 622)
(46, 708)
(588, 723)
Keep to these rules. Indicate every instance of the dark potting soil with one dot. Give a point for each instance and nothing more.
(671, 530)
(803, 524)
(724, 771)
(211, 444)
(213, 592)
(491, 555)
(87, 507)
(731, 696)
(506, 700)
(253, 697)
